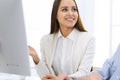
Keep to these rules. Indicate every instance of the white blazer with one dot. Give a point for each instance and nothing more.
(83, 53)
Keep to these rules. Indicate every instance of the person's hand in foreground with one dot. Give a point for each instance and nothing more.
(92, 76)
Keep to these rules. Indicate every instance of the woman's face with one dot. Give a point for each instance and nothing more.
(67, 14)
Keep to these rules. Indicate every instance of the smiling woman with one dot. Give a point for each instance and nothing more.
(93, 13)
(37, 18)
(68, 48)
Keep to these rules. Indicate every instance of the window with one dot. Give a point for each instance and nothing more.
(101, 31)
(107, 29)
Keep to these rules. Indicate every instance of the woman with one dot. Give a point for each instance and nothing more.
(69, 48)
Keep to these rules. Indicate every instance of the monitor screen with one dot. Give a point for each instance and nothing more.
(14, 57)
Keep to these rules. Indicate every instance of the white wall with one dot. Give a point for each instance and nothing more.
(86, 9)
(37, 19)
(102, 31)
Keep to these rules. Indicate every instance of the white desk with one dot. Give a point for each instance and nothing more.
(4, 76)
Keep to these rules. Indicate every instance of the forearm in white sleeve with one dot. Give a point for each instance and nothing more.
(42, 69)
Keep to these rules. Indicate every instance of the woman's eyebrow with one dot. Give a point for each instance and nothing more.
(63, 7)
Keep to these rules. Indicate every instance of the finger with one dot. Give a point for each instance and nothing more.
(31, 50)
(62, 77)
(49, 76)
(68, 78)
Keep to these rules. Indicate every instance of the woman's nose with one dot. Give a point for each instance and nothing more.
(70, 12)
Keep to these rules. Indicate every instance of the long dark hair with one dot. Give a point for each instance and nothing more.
(55, 24)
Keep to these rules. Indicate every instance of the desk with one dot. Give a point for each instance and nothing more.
(4, 76)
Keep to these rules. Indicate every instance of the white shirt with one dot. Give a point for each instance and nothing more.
(62, 62)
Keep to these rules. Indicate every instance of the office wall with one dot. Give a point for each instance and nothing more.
(86, 8)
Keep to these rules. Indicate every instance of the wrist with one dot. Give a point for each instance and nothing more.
(36, 59)
(74, 78)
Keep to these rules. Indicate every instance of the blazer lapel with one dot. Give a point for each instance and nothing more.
(77, 51)
(53, 48)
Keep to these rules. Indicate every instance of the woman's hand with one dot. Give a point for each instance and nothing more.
(49, 77)
(63, 77)
(34, 54)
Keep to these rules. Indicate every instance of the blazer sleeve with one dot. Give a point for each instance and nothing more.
(41, 67)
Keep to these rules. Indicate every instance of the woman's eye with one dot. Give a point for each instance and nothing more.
(64, 10)
(74, 9)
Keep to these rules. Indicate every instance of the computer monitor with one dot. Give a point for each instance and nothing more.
(14, 57)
